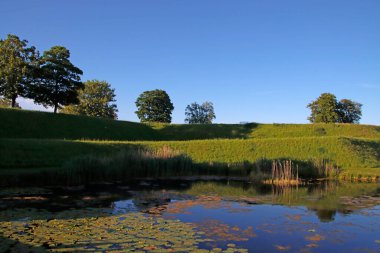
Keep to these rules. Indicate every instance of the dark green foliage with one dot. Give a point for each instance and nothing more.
(95, 100)
(57, 79)
(17, 62)
(200, 114)
(349, 111)
(154, 106)
(324, 109)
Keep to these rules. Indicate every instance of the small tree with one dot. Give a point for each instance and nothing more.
(96, 100)
(349, 111)
(154, 106)
(16, 67)
(58, 80)
(200, 114)
(324, 109)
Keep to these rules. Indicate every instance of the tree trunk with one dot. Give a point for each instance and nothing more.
(14, 101)
(55, 108)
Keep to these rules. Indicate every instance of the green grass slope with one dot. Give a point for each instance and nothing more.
(34, 140)
(309, 130)
(42, 125)
(345, 152)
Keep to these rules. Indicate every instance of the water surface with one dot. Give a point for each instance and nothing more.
(203, 216)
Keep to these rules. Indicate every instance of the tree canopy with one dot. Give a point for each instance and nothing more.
(326, 109)
(200, 114)
(349, 111)
(154, 106)
(96, 100)
(58, 79)
(16, 67)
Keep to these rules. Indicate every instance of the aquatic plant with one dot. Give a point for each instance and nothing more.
(97, 230)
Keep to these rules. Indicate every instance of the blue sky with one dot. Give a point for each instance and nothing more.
(260, 61)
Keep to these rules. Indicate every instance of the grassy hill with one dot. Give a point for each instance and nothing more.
(344, 152)
(43, 125)
(37, 140)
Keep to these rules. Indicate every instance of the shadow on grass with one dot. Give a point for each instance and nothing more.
(367, 148)
(206, 131)
(43, 125)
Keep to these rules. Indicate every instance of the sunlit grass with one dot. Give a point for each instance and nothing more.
(31, 124)
(39, 141)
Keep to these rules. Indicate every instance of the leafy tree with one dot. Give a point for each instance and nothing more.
(6, 103)
(324, 109)
(349, 111)
(58, 80)
(200, 114)
(96, 100)
(154, 106)
(328, 110)
(16, 67)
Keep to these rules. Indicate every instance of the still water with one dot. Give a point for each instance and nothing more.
(192, 216)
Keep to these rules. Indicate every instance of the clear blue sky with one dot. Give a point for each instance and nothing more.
(261, 61)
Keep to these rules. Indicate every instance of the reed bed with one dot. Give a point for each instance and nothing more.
(284, 173)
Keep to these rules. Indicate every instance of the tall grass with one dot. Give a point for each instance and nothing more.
(135, 162)
(126, 165)
(284, 173)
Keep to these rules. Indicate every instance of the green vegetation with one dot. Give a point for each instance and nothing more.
(41, 125)
(326, 109)
(17, 62)
(57, 80)
(81, 231)
(49, 142)
(200, 114)
(95, 100)
(154, 106)
(44, 125)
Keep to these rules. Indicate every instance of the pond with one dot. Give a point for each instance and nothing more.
(192, 216)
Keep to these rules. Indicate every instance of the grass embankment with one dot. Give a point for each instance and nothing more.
(344, 152)
(35, 141)
(42, 125)
(239, 156)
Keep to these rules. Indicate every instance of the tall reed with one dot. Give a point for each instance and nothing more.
(284, 173)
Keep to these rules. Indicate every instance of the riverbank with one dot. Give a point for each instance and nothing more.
(49, 143)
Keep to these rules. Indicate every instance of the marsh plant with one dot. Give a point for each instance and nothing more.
(128, 164)
(165, 162)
